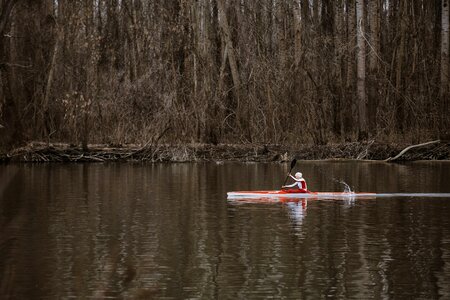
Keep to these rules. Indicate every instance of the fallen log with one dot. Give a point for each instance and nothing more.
(409, 148)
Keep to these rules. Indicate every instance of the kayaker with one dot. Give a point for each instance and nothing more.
(300, 182)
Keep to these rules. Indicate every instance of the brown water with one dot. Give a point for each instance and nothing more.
(167, 231)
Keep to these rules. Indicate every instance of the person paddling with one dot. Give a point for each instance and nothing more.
(300, 182)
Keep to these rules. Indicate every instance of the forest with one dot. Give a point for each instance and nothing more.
(223, 71)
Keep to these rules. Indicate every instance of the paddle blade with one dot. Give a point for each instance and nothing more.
(293, 162)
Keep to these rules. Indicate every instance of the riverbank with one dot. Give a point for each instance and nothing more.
(60, 152)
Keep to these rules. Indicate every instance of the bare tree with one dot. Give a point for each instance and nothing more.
(361, 69)
(374, 52)
(123, 71)
(8, 105)
(6, 9)
(444, 87)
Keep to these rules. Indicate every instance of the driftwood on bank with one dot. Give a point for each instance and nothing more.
(409, 148)
(155, 152)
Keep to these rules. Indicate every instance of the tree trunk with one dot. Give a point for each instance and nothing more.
(315, 12)
(297, 32)
(400, 103)
(8, 109)
(7, 8)
(280, 38)
(48, 86)
(226, 33)
(12, 134)
(338, 38)
(349, 107)
(374, 57)
(361, 70)
(351, 33)
(444, 47)
(374, 37)
(444, 88)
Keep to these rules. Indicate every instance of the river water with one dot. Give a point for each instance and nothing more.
(167, 231)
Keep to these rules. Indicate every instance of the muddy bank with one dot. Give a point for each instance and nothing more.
(59, 152)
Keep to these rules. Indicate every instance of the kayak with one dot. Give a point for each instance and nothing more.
(295, 194)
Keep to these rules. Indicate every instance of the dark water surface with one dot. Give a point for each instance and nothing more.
(167, 231)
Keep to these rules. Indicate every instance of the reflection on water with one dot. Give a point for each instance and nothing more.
(297, 211)
(167, 231)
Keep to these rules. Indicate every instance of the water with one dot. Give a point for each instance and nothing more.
(167, 231)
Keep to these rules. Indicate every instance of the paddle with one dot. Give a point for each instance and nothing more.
(293, 162)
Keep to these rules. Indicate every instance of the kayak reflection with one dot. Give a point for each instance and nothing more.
(297, 209)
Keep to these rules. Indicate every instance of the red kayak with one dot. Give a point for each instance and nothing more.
(291, 193)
